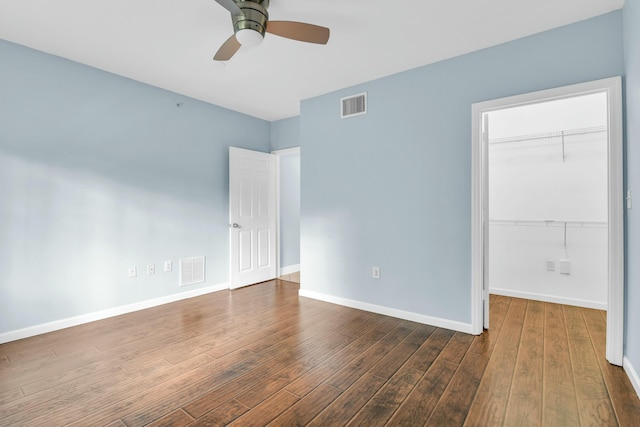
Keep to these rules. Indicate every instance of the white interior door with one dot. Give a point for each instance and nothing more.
(252, 216)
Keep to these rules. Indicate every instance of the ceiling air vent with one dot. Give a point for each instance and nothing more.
(355, 105)
(191, 271)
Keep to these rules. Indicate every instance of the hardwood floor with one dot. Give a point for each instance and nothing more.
(263, 356)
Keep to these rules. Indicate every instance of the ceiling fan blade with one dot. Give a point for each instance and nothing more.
(231, 6)
(299, 31)
(228, 49)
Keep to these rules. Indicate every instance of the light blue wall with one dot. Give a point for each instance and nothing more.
(631, 31)
(393, 188)
(289, 209)
(285, 133)
(98, 173)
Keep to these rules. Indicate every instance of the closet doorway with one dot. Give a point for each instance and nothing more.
(547, 170)
(288, 184)
(548, 201)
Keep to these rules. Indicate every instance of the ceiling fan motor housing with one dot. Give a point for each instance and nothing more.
(255, 16)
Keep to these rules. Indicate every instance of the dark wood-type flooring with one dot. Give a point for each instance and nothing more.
(262, 355)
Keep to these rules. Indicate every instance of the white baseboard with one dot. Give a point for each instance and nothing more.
(289, 269)
(401, 314)
(549, 298)
(632, 374)
(104, 314)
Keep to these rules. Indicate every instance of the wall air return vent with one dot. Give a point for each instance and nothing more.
(352, 106)
(191, 271)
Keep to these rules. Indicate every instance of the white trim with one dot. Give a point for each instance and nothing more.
(104, 314)
(387, 311)
(289, 269)
(477, 244)
(615, 303)
(285, 151)
(632, 374)
(598, 305)
(615, 312)
(278, 236)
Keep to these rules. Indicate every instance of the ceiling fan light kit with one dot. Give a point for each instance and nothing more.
(251, 21)
(249, 38)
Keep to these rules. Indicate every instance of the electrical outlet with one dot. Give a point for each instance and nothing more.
(551, 265)
(132, 271)
(375, 272)
(151, 269)
(167, 266)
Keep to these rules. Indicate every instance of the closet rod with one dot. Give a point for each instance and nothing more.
(549, 135)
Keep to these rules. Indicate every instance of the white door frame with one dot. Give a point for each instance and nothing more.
(479, 177)
(278, 153)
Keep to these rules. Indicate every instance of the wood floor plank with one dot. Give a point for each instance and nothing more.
(221, 415)
(262, 354)
(116, 423)
(267, 410)
(10, 395)
(559, 406)
(348, 375)
(310, 380)
(56, 397)
(308, 407)
(143, 407)
(418, 406)
(485, 342)
(490, 406)
(285, 365)
(625, 402)
(299, 365)
(89, 402)
(525, 401)
(378, 410)
(430, 350)
(177, 418)
(594, 404)
(456, 348)
(398, 356)
(349, 403)
(454, 403)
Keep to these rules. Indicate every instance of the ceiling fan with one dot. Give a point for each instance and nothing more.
(251, 21)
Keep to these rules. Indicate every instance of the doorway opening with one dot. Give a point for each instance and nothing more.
(288, 187)
(547, 201)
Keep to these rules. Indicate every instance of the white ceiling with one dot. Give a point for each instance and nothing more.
(170, 43)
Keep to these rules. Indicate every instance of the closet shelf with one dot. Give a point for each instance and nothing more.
(548, 223)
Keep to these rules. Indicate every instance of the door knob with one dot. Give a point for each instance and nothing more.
(235, 225)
